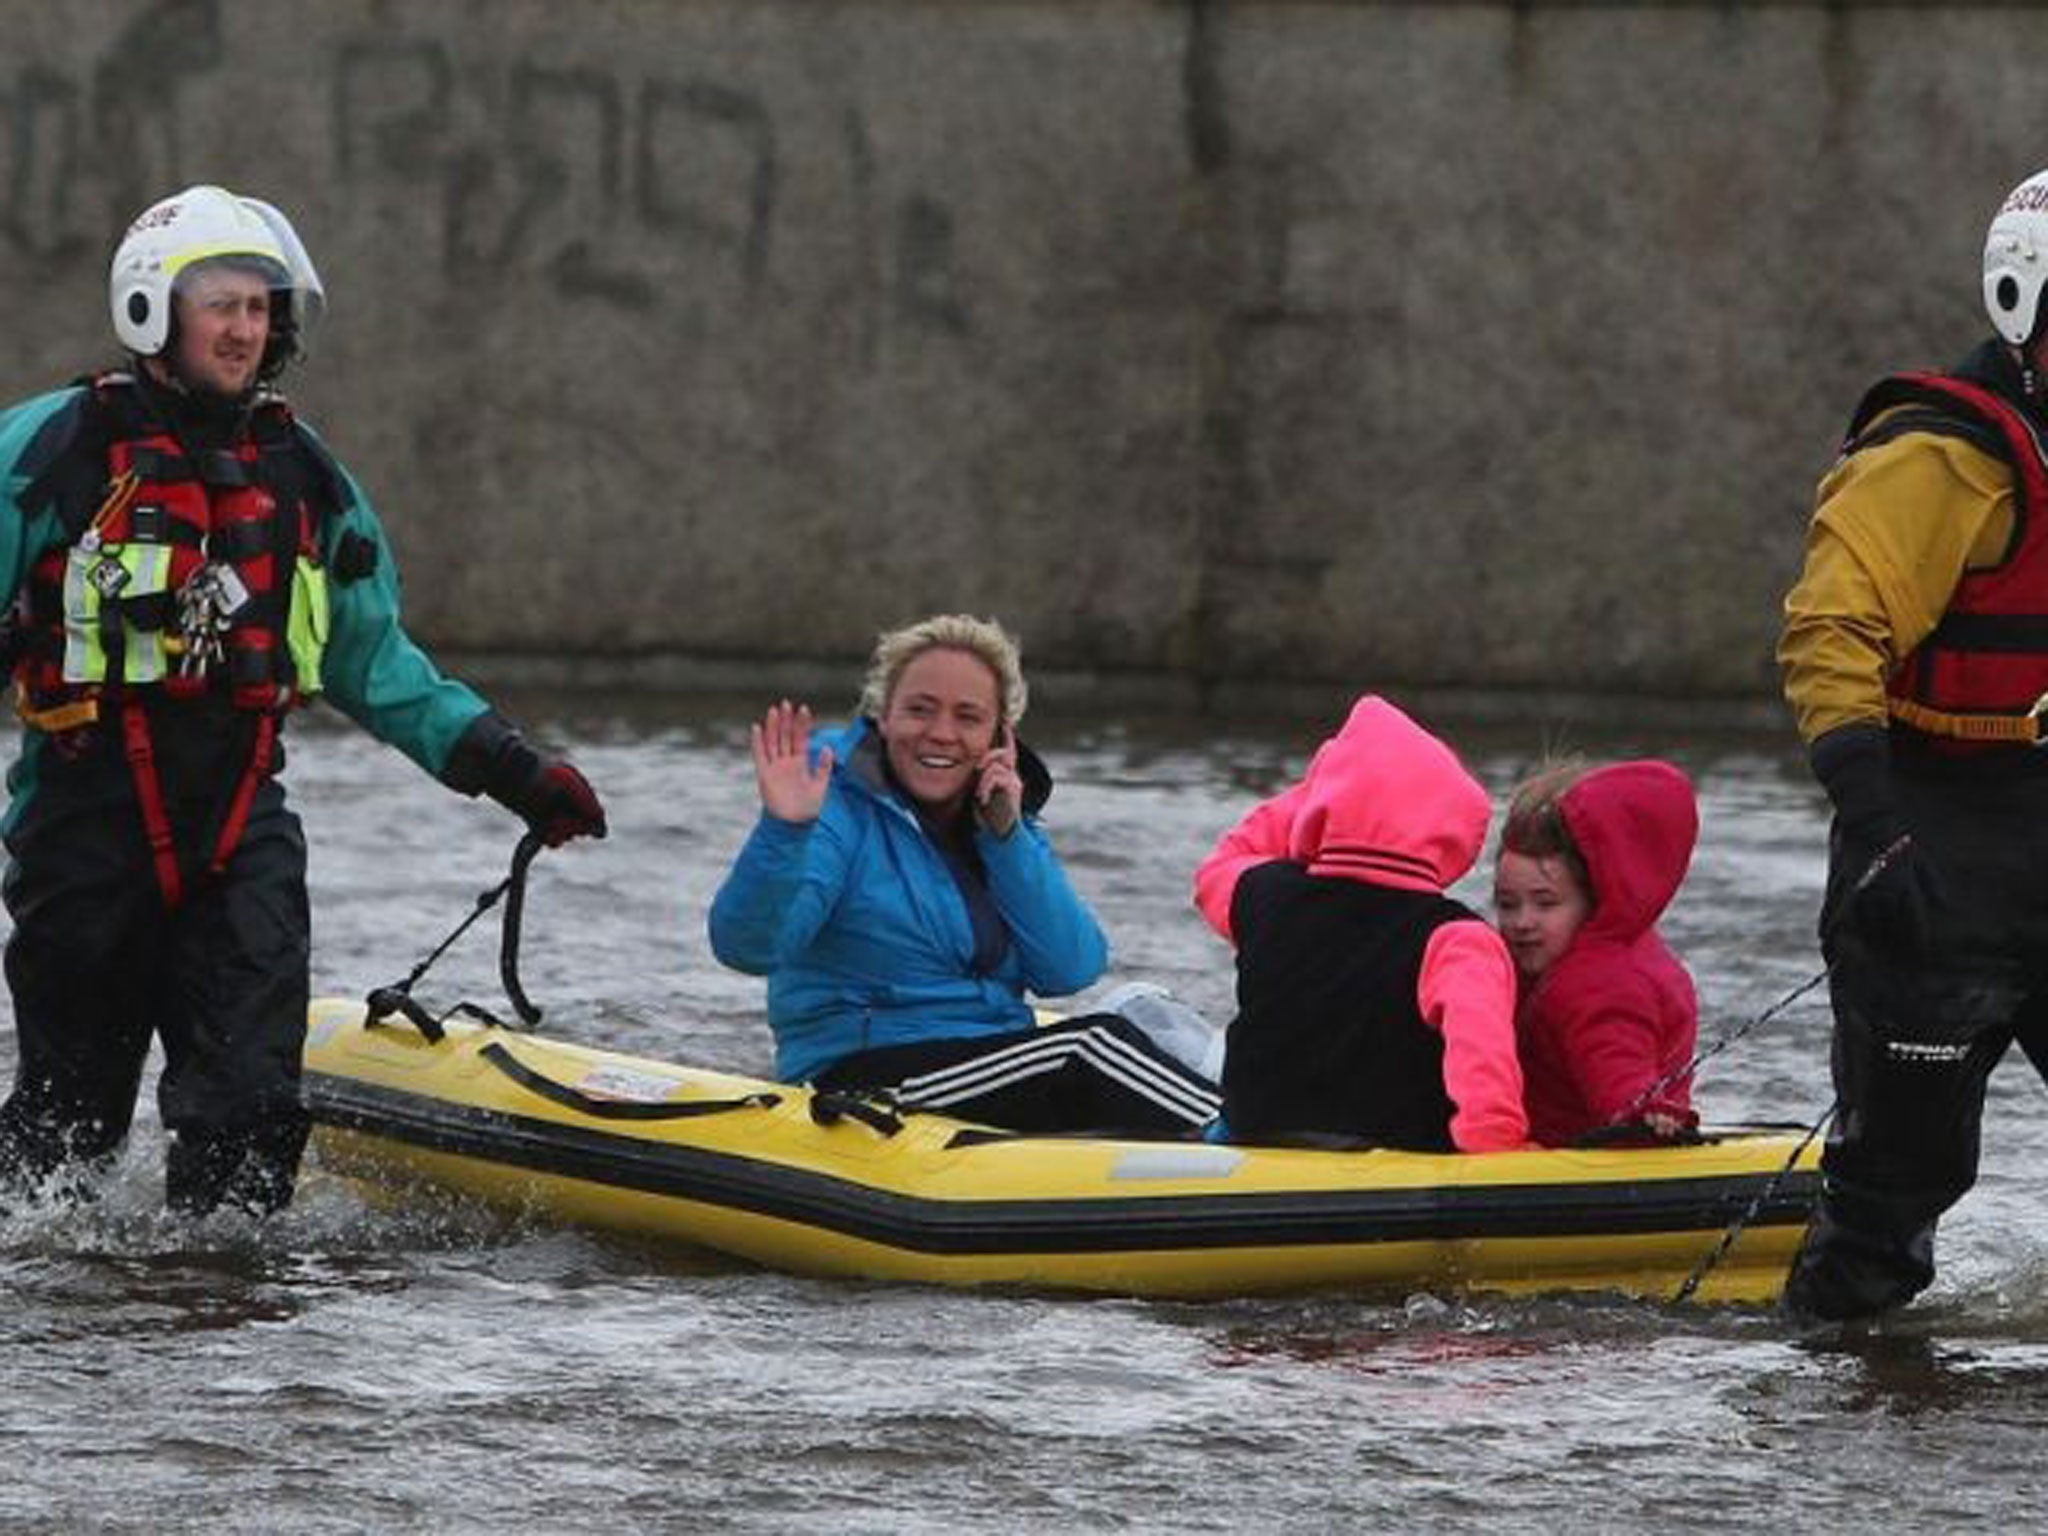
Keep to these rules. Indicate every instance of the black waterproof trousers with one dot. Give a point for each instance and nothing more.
(1917, 1036)
(98, 966)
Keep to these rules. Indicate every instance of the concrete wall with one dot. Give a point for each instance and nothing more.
(1484, 345)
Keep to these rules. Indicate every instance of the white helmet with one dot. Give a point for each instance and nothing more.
(198, 225)
(2016, 261)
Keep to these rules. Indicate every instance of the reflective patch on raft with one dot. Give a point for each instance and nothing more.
(1189, 1162)
(630, 1087)
(322, 1028)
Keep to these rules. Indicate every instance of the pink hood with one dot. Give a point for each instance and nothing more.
(1635, 824)
(1383, 801)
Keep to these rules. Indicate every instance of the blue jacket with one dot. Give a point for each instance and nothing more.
(863, 933)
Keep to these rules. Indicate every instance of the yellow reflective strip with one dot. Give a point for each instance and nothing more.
(84, 662)
(306, 623)
(149, 571)
(173, 265)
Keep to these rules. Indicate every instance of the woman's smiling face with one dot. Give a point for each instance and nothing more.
(940, 720)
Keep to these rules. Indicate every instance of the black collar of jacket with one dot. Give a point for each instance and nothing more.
(1991, 364)
(199, 419)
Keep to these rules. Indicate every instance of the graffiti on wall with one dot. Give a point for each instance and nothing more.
(75, 146)
(612, 186)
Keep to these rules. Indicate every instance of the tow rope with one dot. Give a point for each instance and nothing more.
(1882, 861)
(397, 998)
(1748, 1214)
(1626, 1122)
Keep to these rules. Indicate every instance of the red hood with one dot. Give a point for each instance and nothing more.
(1385, 802)
(1635, 824)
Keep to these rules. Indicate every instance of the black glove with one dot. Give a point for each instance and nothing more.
(1886, 890)
(547, 793)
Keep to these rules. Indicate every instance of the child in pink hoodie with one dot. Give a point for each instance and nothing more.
(1371, 1007)
(1589, 860)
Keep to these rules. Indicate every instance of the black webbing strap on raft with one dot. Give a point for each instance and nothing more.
(875, 1108)
(386, 1001)
(1636, 1133)
(603, 1108)
(398, 999)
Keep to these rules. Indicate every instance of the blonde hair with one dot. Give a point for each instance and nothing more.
(1535, 825)
(983, 639)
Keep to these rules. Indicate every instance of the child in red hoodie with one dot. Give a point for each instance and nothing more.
(1371, 1006)
(1589, 859)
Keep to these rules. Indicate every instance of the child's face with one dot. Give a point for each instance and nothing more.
(1540, 907)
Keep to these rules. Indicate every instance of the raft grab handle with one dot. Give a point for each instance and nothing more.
(569, 1097)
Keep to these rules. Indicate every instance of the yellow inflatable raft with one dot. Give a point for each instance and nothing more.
(821, 1185)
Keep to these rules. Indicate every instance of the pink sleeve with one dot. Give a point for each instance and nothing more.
(1259, 838)
(1467, 990)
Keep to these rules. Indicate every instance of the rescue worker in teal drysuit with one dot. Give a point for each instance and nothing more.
(186, 563)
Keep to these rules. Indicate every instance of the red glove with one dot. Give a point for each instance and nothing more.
(563, 806)
(552, 798)
(549, 795)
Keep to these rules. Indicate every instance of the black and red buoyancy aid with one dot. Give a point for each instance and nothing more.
(1989, 653)
(168, 522)
(236, 507)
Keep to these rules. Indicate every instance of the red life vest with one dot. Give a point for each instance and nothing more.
(1989, 653)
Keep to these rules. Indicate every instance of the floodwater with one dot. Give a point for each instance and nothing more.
(344, 1369)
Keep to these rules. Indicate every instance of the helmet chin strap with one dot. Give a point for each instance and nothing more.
(2030, 376)
(2025, 358)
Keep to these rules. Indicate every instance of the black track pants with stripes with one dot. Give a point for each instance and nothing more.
(1099, 1073)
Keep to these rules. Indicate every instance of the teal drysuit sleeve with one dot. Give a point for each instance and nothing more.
(372, 670)
(25, 535)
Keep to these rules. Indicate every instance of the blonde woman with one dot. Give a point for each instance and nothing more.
(902, 899)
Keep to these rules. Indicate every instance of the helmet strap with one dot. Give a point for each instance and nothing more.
(2026, 356)
(2029, 368)
(2022, 362)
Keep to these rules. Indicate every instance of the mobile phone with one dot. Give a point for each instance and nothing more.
(999, 810)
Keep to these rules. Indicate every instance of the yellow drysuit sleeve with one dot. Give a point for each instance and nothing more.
(1895, 527)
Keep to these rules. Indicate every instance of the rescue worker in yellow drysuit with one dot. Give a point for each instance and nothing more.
(1915, 659)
